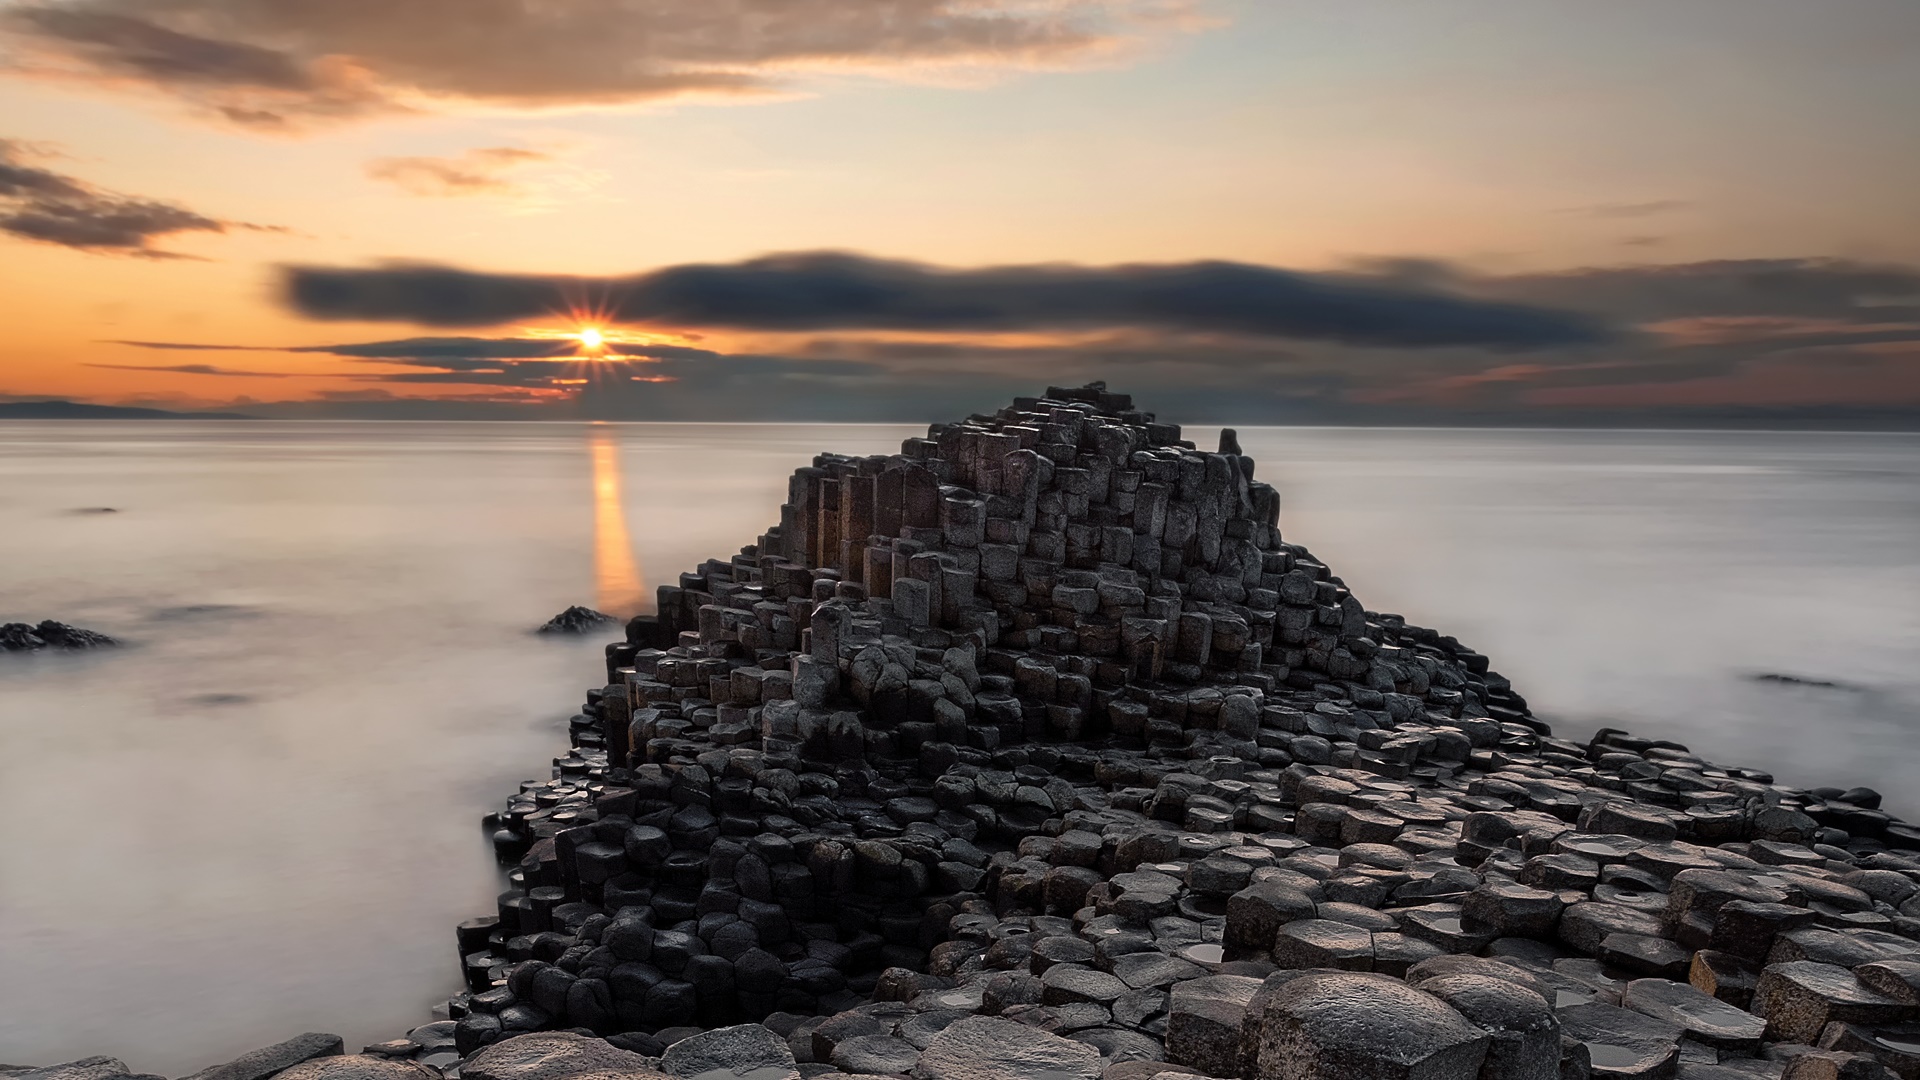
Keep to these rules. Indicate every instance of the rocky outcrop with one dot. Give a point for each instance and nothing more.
(1038, 743)
(577, 620)
(25, 637)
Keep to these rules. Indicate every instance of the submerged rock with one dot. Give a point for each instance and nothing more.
(577, 620)
(24, 637)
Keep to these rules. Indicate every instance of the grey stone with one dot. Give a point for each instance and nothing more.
(1585, 926)
(1068, 983)
(1623, 1043)
(1257, 912)
(1526, 1034)
(747, 1051)
(555, 1055)
(368, 1067)
(1204, 1018)
(92, 1068)
(266, 1061)
(1510, 909)
(1703, 1016)
(876, 1054)
(1154, 969)
(1357, 1026)
(989, 1048)
(1323, 943)
(1798, 999)
(1897, 979)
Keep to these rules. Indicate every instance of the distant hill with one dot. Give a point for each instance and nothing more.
(74, 410)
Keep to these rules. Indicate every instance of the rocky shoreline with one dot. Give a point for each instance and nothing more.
(1034, 752)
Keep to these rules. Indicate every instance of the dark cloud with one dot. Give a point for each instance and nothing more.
(1799, 342)
(835, 291)
(483, 171)
(282, 62)
(1805, 288)
(198, 369)
(42, 205)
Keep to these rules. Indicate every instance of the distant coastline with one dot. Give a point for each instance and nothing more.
(1785, 419)
(74, 410)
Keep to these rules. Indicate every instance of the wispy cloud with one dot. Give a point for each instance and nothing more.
(1627, 211)
(39, 204)
(483, 171)
(295, 63)
(197, 369)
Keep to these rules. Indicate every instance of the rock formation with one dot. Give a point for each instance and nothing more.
(1039, 732)
(1035, 752)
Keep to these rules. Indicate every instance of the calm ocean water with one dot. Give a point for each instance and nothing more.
(262, 818)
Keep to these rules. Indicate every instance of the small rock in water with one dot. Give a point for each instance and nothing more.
(22, 637)
(577, 620)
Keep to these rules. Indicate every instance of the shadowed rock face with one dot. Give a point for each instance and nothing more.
(1035, 752)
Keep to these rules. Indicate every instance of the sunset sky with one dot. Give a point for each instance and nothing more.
(1256, 210)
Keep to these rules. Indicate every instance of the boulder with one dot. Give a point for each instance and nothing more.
(988, 1048)
(357, 1067)
(554, 1055)
(747, 1051)
(1204, 1018)
(266, 1061)
(1361, 1026)
(1525, 1033)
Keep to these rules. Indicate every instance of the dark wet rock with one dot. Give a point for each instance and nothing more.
(23, 637)
(1704, 1017)
(1645, 954)
(577, 620)
(1354, 1026)
(987, 1048)
(1524, 1030)
(266, 1061)
(1623, 1043)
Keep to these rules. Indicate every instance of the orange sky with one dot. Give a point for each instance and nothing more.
(1502, 139)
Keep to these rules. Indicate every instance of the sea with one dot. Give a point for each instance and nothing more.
(261, 816)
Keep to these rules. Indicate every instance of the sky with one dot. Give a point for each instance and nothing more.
(1260, 211)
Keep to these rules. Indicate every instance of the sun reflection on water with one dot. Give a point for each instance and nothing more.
(619, 584)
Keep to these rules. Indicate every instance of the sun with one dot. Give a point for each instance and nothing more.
(591, 338)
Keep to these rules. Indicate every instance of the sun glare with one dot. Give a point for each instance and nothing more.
(592, 339)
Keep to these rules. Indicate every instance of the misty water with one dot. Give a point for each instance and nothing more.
(261, 817)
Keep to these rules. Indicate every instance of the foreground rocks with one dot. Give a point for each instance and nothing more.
(25, 637)
(1036, 753)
